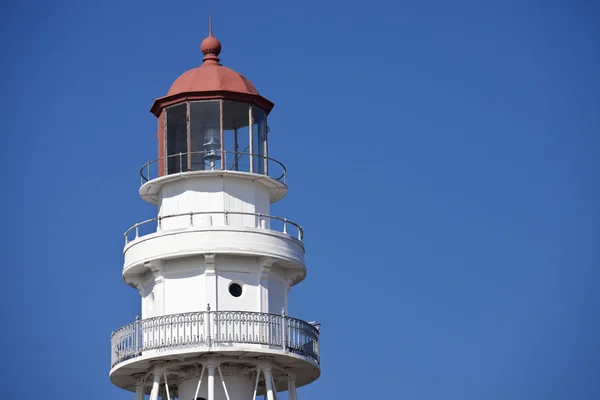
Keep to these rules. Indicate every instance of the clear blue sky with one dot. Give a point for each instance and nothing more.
(443, 160)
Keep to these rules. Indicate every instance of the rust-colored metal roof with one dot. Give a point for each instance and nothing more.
(211, 80)
(211, 77)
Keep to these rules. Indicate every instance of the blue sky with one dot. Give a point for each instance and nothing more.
(442, 157)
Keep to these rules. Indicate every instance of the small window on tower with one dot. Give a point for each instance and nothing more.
(235, 290)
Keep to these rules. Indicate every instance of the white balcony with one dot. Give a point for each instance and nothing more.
(215, 331)
(189, 234)
(266, 171)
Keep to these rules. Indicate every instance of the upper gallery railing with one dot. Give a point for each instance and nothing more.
(258, 221)
(213, 161)
(209, 329)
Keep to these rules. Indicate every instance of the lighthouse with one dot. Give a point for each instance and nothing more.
(214, 267)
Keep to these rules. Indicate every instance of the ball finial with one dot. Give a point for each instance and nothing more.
(211, 46)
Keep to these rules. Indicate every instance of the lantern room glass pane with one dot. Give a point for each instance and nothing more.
(176, 139)
(205, 135)
(236, 122)
(259, 133)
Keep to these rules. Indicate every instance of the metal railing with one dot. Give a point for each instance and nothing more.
(259, 222)
(213, 161)
(210, 329)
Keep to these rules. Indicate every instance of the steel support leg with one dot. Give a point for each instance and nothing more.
(167, 394)
(211, 382)
(155, 386)
(292, 395)
(199, 383)
(256, 384)
(268, 383)
(139, 390)
(223, 382)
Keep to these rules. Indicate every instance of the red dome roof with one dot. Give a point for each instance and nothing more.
(211, 80)
(212, 77)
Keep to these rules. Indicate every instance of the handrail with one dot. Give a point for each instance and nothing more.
(226, 214)
(146, 174)
(210, 329)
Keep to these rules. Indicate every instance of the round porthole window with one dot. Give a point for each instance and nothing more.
(235, 290)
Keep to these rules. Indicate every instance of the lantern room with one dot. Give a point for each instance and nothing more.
(212, 118)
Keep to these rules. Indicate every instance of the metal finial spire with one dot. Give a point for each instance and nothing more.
(210, 46)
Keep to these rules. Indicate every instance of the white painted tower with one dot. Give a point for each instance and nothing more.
(214, 268)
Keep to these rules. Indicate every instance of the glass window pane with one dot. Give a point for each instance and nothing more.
(205, 135)
(259, 133)
(236, 117)
(176, 139)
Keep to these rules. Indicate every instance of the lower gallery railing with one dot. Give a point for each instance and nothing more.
(257, 221)
(214, 329)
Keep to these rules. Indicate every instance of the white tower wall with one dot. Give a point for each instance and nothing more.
(188, 285)
(213, 193)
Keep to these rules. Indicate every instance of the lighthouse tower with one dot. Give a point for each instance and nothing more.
(214, 268)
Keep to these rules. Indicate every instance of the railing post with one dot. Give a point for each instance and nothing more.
(148, 175)
(113, 347)
(226, 218)
(126, 238)
(208, 336)
(191, 218)
(300, 234)
(285, 225)
(283, 330)
(160, 223)
(180, 162)
(137, 231)
(136, 334)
